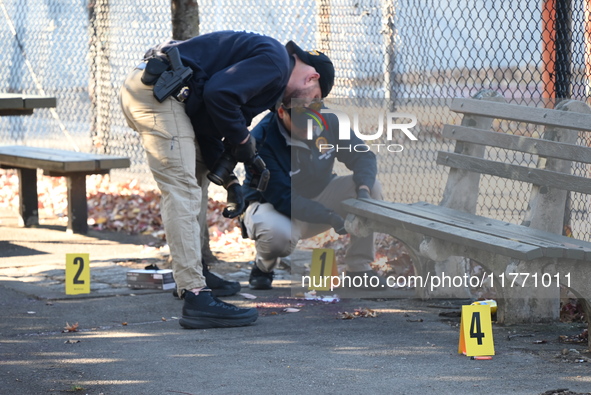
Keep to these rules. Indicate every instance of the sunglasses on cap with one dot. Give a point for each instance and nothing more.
(314, 105)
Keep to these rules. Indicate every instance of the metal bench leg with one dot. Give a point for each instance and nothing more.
(29, 203)
(77, 207)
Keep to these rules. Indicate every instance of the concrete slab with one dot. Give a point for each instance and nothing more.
(130, 342)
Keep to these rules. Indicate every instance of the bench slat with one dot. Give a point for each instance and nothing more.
(537, 115)
(545, 148)
(58, 160)
(20, 101)
(11, 101)
(554, 245)
(472, 222)
(514, 172)
(33, 102)
(428, 227)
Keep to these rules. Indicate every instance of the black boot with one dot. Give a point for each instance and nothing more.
(204, 311)
(218, 286)
(260, 279)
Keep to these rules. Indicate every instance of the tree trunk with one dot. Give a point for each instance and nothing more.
(185, 19)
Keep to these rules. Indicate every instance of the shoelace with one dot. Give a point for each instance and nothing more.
(219, 303)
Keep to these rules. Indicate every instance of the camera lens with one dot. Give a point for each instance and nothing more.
(216, 179)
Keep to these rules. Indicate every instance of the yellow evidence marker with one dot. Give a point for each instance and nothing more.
(77, 274)
(323, 270)
(476, 335)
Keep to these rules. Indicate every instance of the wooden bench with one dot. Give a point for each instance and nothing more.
(441, 237)
(75, 166)
(19, 104)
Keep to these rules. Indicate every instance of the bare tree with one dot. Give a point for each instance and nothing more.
(185, 19)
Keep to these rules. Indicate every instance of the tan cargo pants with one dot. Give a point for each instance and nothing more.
(178, 169)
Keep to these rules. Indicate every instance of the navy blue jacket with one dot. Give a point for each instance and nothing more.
(300, 172)
(236, 76)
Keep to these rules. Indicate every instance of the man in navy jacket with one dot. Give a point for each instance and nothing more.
(304, 195)
(233, 77)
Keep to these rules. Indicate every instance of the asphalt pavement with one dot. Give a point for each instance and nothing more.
(126, 341)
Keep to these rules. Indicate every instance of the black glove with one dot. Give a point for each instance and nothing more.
(235, 201)
(337, 222)
(363, 194)
(260, 173)
(245, 152)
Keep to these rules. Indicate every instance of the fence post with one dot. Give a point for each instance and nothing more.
(390, 60)
(556, 48)
(587, 38)
(564, 39)
(99, 87)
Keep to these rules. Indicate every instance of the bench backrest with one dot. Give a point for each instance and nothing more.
(556, 151)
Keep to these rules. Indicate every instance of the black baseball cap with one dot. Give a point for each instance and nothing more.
(319, 61)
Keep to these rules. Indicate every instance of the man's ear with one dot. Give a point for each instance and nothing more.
(313, 77)
(284, 117)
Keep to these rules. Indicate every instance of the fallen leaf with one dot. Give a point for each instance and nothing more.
(365, 312)
(163, 319)
(124, 323)
(70, 328)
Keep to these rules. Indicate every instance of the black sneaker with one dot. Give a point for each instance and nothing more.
(204, 311)
(219, 286)
(260, 279)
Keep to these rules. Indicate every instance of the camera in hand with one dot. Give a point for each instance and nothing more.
(223, 168)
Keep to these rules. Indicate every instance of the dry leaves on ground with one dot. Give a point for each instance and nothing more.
(363, 312)
(582, 337)
(129, 207)
(70, 328)
(120, 207)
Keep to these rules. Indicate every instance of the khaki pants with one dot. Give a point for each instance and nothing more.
(176, 164)
(277, 236)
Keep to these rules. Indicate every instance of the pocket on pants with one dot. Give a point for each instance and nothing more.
(166, 153)
(248, 220)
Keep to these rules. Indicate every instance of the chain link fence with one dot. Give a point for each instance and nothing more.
(81, 51)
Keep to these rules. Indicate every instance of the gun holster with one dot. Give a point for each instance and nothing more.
(154, 69)
(172, 80)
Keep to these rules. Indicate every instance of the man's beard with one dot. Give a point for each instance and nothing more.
(296, 94)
